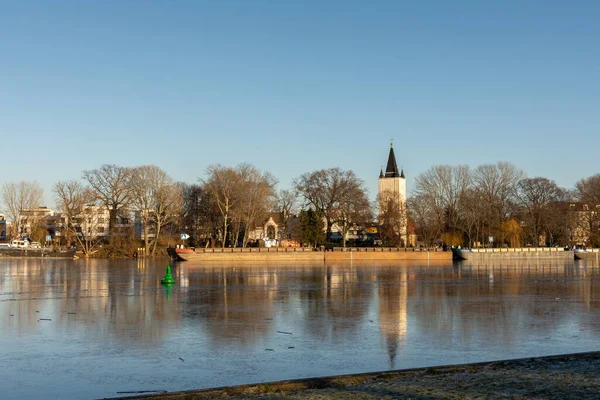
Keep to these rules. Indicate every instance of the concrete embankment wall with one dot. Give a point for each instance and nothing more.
(400, 255)
(591, 256)
(521, 255)
(316, 256)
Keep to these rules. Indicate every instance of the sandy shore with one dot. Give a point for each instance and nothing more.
(572, 376)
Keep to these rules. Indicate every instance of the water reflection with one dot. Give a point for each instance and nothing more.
(313, 319)
(393, 296)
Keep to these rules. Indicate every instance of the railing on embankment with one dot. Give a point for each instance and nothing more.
(387, 253)
(520, 250)
(487, 254)
(310, 254)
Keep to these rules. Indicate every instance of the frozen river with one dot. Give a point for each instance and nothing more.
(94, 328)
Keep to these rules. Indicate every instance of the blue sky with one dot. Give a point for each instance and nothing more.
(295, 86)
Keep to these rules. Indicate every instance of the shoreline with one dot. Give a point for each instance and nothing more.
(573, 375)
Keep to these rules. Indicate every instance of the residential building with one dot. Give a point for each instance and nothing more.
(278, 229)
(2, 227)
(583, 220)
(92, 222)
(268, 230)
(31, 219)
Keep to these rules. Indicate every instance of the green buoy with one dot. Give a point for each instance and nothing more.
(168, 279)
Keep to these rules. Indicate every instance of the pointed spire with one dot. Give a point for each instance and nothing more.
(402, 173)
(381, 172)
(391, 171)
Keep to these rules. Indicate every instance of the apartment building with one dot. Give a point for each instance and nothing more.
(92, 223)
(2, 228)
(583, 221)
(31, 219)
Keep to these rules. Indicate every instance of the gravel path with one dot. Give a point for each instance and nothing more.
(575, 376)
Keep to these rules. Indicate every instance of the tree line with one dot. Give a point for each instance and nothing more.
(220, 209)
(454, 205)
(498, 205)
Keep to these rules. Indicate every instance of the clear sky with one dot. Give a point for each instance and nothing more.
(294, 86)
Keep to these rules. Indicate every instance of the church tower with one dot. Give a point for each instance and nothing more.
(392, 186)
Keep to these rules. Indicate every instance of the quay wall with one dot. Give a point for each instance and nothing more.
(592, 255)
(520, 255)
(357, 254)
(400, 255)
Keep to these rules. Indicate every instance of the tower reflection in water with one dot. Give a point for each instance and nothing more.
(392, 314)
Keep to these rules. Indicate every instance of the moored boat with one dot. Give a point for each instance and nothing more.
(512, 253)
(179, 253)
(460, 254)
(8, 252)
(586, 254)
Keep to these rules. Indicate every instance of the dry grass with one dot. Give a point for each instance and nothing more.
(557, 377)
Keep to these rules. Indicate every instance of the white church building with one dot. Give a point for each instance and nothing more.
(392, 186)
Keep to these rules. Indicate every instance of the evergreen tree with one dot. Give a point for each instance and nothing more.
(312, 227)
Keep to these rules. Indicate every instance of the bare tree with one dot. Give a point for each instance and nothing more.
(141, 183)
(353, 208)
(536, 197)
(471, 211)
(588, 189)
(223, 184)
(558, 224)
(257, 194)
(18, 197)
(111, 185)
(157, 199)
(81, 218)
(285, 203)
(498, 185)
(200, 215)
(427, 220)
(442, 187)
(325, 190)
(392, 220)
(167, 205)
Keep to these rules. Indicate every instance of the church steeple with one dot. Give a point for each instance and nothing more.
(392, 186)
(391, 171)
(381, 172)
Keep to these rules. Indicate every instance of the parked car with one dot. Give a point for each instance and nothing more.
(36, 245)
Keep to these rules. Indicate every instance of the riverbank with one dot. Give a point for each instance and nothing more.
(572, 376)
